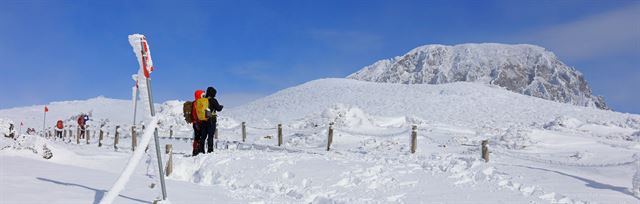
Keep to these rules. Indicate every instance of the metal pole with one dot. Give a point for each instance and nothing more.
(155, 136)
(44, 121)
(135, 105)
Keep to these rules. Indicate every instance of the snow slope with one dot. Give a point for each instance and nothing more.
(463, 104)
(525, 69)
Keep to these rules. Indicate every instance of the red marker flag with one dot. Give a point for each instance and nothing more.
(46, 109)
(147, 63)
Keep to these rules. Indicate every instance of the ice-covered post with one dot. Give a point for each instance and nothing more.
(485, 150)
(168, 150)
(70, 132)
(64, 132)
(116, 138)
(244, 131)
(86, 132)
(134, 140)
(330, 136)
(279, 135)
(635, 183)
(414, 138)
(78, 135)
(171, 132)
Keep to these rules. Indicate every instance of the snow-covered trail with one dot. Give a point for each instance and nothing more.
(366, 164)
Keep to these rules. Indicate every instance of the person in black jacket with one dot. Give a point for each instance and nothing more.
(214, 107)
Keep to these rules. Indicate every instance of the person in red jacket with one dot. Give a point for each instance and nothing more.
(59, 128)
(81, 123)
(197, 125)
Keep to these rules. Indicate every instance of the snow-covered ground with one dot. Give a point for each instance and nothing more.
(541, 151)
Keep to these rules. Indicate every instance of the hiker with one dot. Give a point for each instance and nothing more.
(81, 122)
(214, 107)
(198, 125)
(59, 128)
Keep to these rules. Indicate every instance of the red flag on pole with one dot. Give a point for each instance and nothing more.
(46, 109)
(147, 63)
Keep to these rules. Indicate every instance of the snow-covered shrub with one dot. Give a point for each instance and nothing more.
(347, 116)
(563, 122)
(46, 152)
(515, 138)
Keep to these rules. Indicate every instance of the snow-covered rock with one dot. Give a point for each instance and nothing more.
(525, 69)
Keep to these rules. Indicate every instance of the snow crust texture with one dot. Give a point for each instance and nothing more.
(522, 68)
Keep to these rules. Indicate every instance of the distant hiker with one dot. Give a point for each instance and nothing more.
(81, 123)
(198, 124)
(214, 107)
(59, 128)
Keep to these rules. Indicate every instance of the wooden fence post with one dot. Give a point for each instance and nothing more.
(330, 137)
(169, 167)
(134, 139)
(171, 132)
(86, 132)
(115, 139)
(100, 138)
(414, 138)
(64, 132)
(70, 133)
(485, 150)
(78, 135)
(244, 131)
(279, 134)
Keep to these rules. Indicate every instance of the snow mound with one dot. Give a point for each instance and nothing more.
(525, 69)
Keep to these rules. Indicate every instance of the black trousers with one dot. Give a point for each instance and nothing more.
(59, 134)
(208, 133)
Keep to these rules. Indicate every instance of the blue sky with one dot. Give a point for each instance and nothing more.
(66, 50)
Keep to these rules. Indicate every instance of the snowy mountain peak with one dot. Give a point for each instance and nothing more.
(522, 68)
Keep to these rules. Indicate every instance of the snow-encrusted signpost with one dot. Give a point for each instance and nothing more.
(141, 49)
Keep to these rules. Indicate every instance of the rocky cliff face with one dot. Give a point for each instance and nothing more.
(525, 69)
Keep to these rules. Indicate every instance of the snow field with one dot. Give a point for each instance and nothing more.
(541, 151)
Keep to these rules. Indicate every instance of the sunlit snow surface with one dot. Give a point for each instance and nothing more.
(541, 151)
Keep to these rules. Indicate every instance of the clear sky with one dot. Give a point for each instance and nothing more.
(67, 50)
